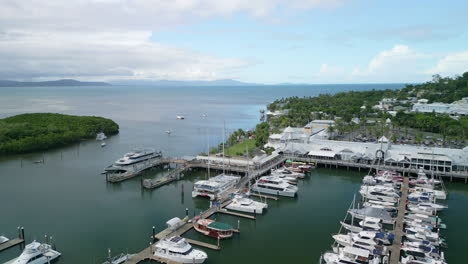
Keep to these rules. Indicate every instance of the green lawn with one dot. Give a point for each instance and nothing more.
(240, 148)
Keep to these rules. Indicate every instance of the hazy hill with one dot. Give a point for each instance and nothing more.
(63, 82)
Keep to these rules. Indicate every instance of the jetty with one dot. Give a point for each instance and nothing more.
(398, 230)
(184, 227)
(11, 243)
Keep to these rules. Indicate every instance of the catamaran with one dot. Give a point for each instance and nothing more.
(214, 187)
(242, 203)
(178, 250)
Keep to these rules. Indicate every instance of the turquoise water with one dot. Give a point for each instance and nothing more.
(68, 198)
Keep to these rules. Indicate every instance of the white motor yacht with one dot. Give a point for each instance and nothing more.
(135, 161)
(274, 185)
(178, 250)
(287, 172)
(36, 253)
(365, 239)
(369, 223)
(350, 255)
(180, 117)
(214, 187)
(242, 203)
(441, 195)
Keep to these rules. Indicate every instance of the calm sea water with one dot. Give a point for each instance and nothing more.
(68, 198)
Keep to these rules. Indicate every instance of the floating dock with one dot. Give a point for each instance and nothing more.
(11, 243)
(170, 177)
(224, 211)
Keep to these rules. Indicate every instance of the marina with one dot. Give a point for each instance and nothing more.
(97, 221)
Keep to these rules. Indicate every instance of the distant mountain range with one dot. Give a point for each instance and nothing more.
(225, 82)
(63, 82)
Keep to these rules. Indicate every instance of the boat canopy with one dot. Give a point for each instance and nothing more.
(356, 251)
(219, 226)
(173, 222)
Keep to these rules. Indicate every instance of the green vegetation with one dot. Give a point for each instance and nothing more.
(34, 132)
(350, 104)
(435, 123)
(239, 149)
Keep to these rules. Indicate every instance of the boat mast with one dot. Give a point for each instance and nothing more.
(224, 142)
(209, 160)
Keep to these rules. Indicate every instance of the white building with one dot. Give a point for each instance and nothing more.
(458, 108)
(440, 159)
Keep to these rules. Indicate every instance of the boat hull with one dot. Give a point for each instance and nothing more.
(274, 192)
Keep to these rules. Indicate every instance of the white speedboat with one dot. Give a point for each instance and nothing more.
(180, 117)
(36, 253)
(178, 250)
(418, 209)
(365, 239)
(378, 213)
(418, 260)
(369, 223)
(101, 136)
(215, 187)
(119, 259)
(287, 172)
(242, 203)
(434, 206)
(441, 195)
(4, 239)
(274, 185)
(103, 144)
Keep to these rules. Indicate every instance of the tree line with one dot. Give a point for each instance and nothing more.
(40, 131)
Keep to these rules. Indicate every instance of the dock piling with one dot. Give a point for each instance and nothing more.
(186, 212)
(154, 233)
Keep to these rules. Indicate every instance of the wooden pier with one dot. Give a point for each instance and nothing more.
(224, 211)
(11, 243)
(398, 230)
(333, 163)
(202, 244)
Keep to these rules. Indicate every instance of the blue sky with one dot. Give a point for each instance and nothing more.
(276, 41)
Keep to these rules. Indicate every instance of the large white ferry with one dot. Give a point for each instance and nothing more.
(134, 162)
(274, 185)
(214, 187)
(179, 251)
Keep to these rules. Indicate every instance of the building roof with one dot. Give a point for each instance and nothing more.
(322, 153)
(219, 226)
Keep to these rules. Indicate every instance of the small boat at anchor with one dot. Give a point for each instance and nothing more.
(212, 228)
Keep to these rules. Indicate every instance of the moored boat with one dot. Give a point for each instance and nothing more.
(36, 253)
(178, 250)
(212, 228)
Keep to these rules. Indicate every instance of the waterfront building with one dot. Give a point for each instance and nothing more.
(383, 151)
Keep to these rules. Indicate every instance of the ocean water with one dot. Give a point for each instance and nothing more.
(68, 198)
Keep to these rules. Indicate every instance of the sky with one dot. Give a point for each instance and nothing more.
(259, 41)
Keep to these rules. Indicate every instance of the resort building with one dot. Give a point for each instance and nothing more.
(382, 151)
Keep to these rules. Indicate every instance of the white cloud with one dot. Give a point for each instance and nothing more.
(105, 55)
(110, 39)
(455, 63)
